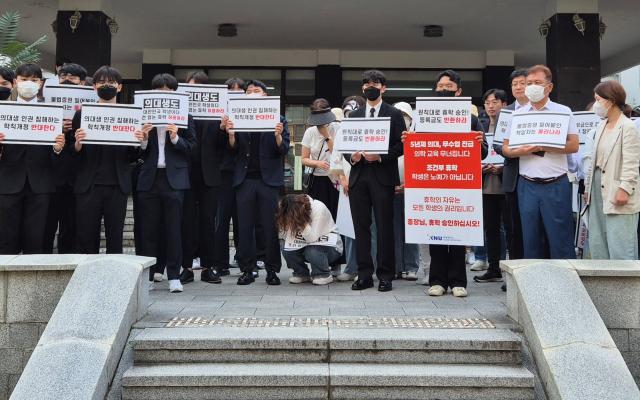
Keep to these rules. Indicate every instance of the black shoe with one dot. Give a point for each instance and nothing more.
(362, 284)
(246, 278)
(384, 286)
(488, 276)
(272, 278)
(224, 272)
(186, 276)
(504, 287)
(210, 275)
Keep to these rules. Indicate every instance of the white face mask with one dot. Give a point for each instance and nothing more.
(28, 89)
(534, 93)
(600, 109)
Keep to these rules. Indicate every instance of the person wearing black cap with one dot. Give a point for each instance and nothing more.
(317, 145)
(258, 178)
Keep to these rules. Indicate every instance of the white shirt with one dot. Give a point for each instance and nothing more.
(551, 165)
(314, 141)
(161, 131)
(21, 100)
(376, 108)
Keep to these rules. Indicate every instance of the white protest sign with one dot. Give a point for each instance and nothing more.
(30, 123)
(539, 129)
(161, 108)
(344, 221)
(113, 124)
(493, 157)
(297, 242)
(503, 126)
(254, 113)
(585, 121)
(443, 114)
(369, 135)
(206, 102)
(71, 97)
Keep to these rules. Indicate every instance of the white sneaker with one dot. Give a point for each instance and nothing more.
(344, 277)
(299, 279)
(480, 265)
(411, 276)
(436, 290)
(470, 257)
(158, 277)
(196, 263)
(175, 286)
(323, 281)
(459, 291)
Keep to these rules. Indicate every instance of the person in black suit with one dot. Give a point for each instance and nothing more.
(448, 269)
(372, 182)
(258, 178)
(103, 182)
(163, 178)
(26, 178)
(62, 207)
(201, 201)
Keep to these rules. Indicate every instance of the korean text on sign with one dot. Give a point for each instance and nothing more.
(112, 124)
(539, 129)
(71, 97)
(30, 123)
(443, 115)
(206, 102)
(254, 114)
(161, 108)
(370, 135)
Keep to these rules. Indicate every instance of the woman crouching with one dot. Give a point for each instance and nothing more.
(310, 236)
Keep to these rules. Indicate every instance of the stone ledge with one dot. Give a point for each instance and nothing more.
(600, 268)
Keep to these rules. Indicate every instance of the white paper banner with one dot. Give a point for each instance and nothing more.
(539, 129)
(455, 214)
(71, 97)
(370, 135)
(112, 124)
(254, 114)
(297, 242)
(443, 114)
(493, 157)
(344, 221)
(206, 102)
(161, 108)
(585, 121)
(503, 126)
(30, 123)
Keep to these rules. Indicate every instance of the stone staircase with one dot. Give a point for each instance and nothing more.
(327, 363)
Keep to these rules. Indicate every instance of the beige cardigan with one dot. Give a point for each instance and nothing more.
(620, 169)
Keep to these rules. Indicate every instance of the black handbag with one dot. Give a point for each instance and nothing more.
(307, 177)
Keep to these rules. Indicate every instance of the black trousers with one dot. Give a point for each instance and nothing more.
(322, 189)
(160, 218)
(447, 266)
(494, 212)
(513, 226)
(365, 195)
(226, 212)
(22, 220)
(258, 203)
(61, 218)
(100, 201)
(199, 225)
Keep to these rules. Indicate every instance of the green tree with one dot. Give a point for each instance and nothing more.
(12, 51)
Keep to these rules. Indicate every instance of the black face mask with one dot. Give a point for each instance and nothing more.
(5, 92)
(67, 82)
(107, 92)
(371, 93)
(446, 93)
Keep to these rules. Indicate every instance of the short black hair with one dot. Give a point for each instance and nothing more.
(517, 73)
(499, 94)
(375, 76)
(198, 77)
(75, 70)
(255, 82)
(107, 73)
(452, 75)
(7, 74)
(231, 82)
(62, 61)
(164, 80)
(29, 70)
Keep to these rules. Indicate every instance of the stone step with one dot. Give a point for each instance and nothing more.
(323, 381)
(125, 235)
(344, 345)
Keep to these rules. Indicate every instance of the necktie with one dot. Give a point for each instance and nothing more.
(373, 113)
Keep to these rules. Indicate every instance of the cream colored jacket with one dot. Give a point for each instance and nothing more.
(620, 169)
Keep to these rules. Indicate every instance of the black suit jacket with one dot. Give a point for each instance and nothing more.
(19, 163)
(177, 157)
(386, 171)
(511, 168)
(208, 152)
(87, 162)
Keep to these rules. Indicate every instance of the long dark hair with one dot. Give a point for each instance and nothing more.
(294, 213)
(614, 92)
